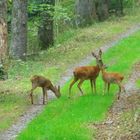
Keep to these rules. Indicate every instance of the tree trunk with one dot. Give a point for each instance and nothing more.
(45, 31)
(120, 7)
(18, 44)
(102, 9)
(3, 39)
(116, 6)
(85, 11)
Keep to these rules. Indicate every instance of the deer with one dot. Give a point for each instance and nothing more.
(45, 84)
(91, 73)
(112, 78)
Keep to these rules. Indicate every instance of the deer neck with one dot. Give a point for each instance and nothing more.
(98, 68)
(103, 71)
(53, 89)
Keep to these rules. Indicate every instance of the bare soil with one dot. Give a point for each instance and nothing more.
(33, 110)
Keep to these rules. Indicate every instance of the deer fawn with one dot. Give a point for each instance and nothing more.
(112, 78)
(45, 84)
(87, 73)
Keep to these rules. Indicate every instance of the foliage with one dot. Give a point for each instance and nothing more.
(126, 3)
(130, 3)
(64, 15)
(9, 11)
(57, 12)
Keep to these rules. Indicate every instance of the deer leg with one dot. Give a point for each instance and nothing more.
(119, 85)
(31, 96)
(94, 82)
(72, 83)
(79, 85)
(46, 94)
(104, 88)
(108, 87)
(91, 82)
(43, 89)
(119, 92)
(123, 89)
(31, 93)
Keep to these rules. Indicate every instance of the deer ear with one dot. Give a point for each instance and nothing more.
(94, 54)
(100, 52)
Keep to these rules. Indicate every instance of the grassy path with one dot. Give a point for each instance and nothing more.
(31, 113)
(69, 119)
(123, 119)
(12, 106)
(67, 75)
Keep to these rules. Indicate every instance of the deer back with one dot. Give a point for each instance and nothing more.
(40, 81)
(86, 72)
(112, 77)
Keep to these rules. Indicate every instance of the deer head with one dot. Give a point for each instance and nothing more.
(57, 91)
(98, 58)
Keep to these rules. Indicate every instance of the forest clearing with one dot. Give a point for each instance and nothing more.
(86, 114)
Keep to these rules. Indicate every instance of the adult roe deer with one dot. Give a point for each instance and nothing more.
(87, 73)
(45, 84)
(112, 78)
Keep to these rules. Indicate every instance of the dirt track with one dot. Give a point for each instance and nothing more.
(123, 121)
(16, 128)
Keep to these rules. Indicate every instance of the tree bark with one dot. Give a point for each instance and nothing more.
(116, 6)
(3, 29)
(46, 29)
(3, 39)
(102, 9)
(85, 11)
(18, 46)
(120, 7)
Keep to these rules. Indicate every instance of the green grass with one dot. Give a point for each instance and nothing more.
(138, 83)
(70, 119)
(10, 109)
(71, 47)
(67, 119)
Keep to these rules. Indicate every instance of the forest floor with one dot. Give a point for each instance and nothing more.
(12, 132)
(123, 119)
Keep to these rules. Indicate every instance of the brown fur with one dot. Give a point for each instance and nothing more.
(112, 78)
(87, 73)
(45, 84)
